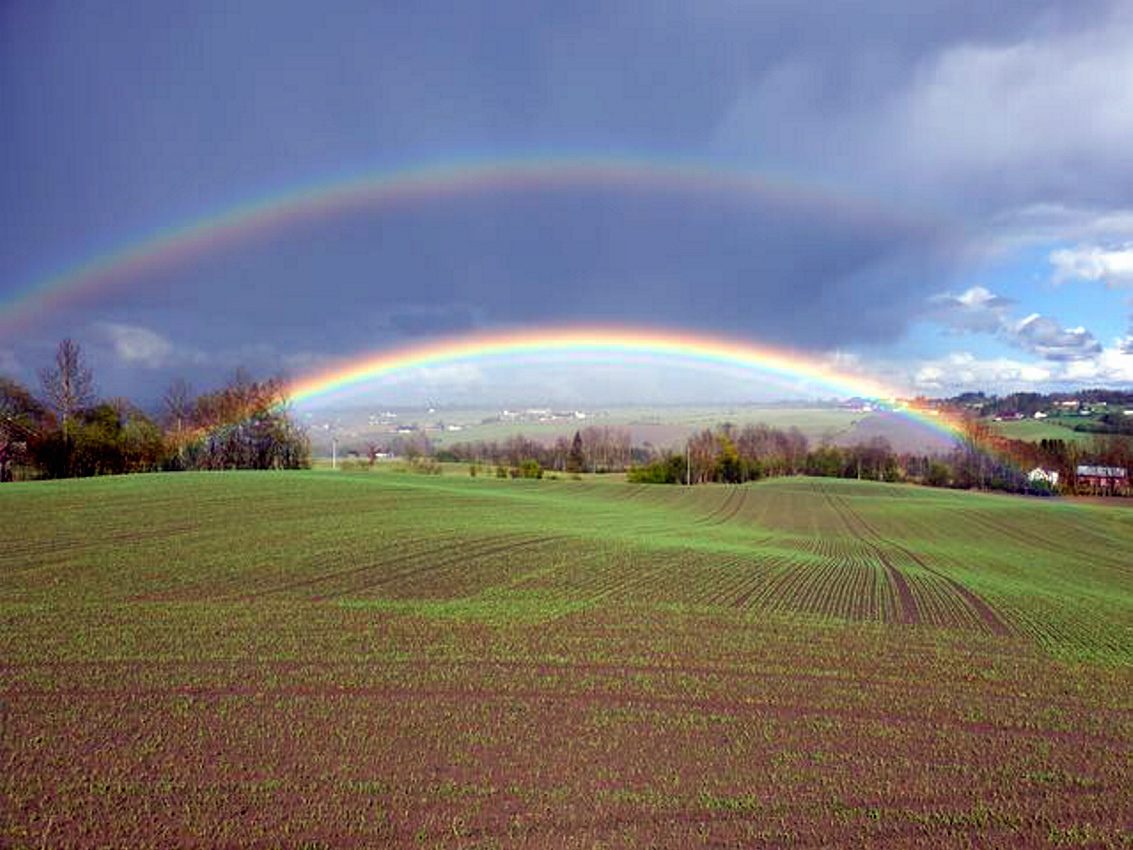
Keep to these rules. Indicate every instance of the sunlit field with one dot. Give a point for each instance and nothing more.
(339, 659)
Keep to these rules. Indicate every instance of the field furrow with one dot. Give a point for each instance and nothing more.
(376, 659)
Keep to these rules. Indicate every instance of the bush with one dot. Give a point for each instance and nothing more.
(667, 470)
(527, 469)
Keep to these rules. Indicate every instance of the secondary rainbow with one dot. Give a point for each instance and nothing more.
(167, 246)
(614, 342)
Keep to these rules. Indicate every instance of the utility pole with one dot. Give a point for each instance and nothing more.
(329, 428)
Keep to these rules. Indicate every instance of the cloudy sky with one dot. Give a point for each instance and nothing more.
(953, 204)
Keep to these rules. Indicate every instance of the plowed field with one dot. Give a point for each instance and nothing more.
(335, 660)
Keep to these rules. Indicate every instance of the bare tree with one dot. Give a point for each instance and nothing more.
(178, 405)
(68, 386)
(373, 450)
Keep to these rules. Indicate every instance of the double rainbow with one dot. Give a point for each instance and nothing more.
(324, 198)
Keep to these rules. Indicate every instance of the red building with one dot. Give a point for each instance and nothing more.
(1107, 479)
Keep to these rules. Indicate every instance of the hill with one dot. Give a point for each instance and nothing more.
(350, 659)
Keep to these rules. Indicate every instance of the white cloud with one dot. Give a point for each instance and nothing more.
(1047, 101)
(136, 345)
(1047, 112)
(976, 310)
(1046, 221)
(964, 371)
(1114, 366)
(987, 105)
(1113, 266)
(1043, 223)
(959, 371)
(1125, 344)
(1045, 337)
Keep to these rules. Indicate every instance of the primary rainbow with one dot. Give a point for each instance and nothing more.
(169, 245)
(613, 342)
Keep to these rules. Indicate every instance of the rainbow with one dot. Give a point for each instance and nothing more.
(167, 246)
(648, 344)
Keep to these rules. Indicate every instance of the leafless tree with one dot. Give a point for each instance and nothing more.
(373, 450)
(177, 404)
(68, 385)
(605, 449)
(702, 451)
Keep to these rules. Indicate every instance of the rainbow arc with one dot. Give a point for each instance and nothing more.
(313, 201)
(616, 343)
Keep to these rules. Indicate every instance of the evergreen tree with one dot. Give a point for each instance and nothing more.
(575, 458)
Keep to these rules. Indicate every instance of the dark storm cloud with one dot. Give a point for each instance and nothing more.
(430, 319)
(126, 117)
(585, 255)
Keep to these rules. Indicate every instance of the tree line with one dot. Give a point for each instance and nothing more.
(596, 448)
(981, 459)
(66, 431)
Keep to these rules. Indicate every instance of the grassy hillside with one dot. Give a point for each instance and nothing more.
(343, 659)
(1033, 431)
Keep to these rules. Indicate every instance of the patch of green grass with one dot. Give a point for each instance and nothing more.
(1034, 430)
(484, 549)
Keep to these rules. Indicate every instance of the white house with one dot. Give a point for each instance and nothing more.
(1045, 476)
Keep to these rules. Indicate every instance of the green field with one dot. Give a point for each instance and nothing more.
(1032, 430)
(350, 659)
(677, 422)
(663, 426)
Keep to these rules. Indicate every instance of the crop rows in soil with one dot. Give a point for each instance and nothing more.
(598, 728)
(407, 662)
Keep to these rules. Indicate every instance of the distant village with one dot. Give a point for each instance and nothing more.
(392, 422)
(1094, 411)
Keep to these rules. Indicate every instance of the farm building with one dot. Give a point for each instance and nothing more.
(1109, 479)
(1038, 475)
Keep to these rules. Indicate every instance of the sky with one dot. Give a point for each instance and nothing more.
(937, 195)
